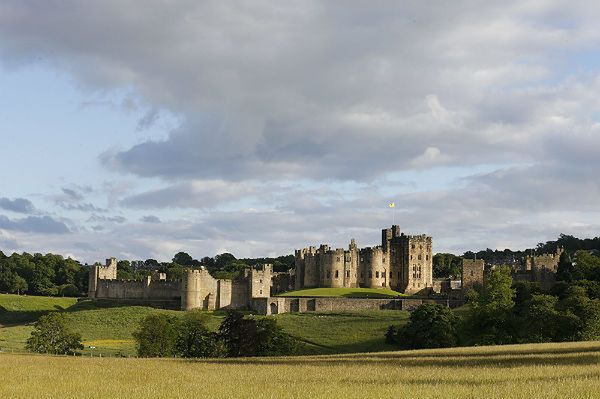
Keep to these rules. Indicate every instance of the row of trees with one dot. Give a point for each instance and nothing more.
(503, 313)
(42, 275)
(163, 335)
(53, 275)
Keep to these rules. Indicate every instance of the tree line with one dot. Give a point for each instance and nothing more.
(503, 312)
(54, 275)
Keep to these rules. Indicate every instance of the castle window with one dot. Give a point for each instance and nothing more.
(383, 260)
(347, 273)
(390, 274)
(338, 258)
(426, 257)
(261, 292)
(411, 257)
(377, 274)
(337, 273)
(419, 257)
(412, 246)
(260, 281)
(471, 273)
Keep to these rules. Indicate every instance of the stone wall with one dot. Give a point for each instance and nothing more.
(276, 305)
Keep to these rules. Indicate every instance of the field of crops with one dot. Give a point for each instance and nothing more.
(567, 370)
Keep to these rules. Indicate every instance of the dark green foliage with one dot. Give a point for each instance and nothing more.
(51, 335)
(490, 320)
(271, 340)
(564, 271)
(42, 275)
(430, 326)
(390, 335)
(183, 259)
(238, 334)
(446, 265)
(249, 337)
(195, 340)
(157, 336)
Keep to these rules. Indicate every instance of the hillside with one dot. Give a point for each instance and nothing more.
(108, 328)
(567, 370)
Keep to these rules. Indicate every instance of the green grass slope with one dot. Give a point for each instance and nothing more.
(545, 371)
(108, 327)
(344, 292)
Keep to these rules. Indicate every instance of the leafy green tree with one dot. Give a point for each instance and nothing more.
(195, 340)
(564, 271)
(446, 265)
(51, 335)
(430, 326)
(238, 334)
(271, 340)
(541, 319)
(157, 336)
(183, 259)
(490, 320)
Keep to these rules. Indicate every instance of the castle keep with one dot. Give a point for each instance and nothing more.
(402, 263)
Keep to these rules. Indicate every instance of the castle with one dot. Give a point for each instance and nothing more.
(402, 263)
(197, 290)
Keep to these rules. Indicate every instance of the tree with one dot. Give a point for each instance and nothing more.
(51, 335)
(238, 334)
(430, 326)
(156, 336)
(541, 319)
(490, 320)
(183, 259)
(195, 340)
(564, 271)
(271, 340)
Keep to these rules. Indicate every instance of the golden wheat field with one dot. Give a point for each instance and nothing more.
(518, 371)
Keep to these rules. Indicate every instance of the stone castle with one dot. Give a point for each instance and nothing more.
(197, 290)
(402, 263)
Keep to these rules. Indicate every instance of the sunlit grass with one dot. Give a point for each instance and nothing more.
(568, 370)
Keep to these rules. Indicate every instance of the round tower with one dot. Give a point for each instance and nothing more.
(190, 290)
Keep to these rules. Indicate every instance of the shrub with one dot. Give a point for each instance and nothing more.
(157, 336)
(51, 335)
(195, 340)
(430, 326)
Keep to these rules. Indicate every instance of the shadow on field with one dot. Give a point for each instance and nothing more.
(11, 318)
(499, 359)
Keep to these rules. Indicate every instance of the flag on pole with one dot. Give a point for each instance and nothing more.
(392, 205)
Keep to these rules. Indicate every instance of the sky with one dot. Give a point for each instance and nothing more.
(138, 129)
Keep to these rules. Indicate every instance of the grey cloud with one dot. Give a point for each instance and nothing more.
(339, 90)
(19, 205)
(34, 224)
(150, 219)
(194, 194)
(106, 219)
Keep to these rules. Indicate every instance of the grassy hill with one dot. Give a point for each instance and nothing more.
(567, 370)
(345, 292)
(108, 327)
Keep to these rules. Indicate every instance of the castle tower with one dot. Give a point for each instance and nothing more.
(190, 290)
(472, 273)
(98, 272)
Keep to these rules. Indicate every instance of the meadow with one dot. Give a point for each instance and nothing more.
(566, 370)
(107, 328)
